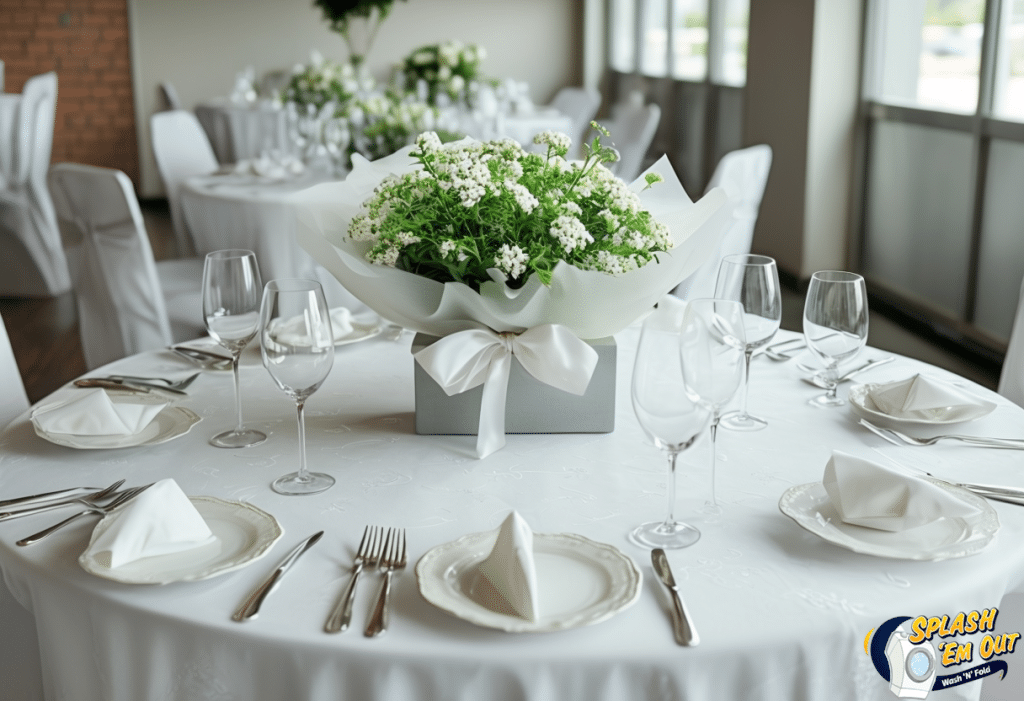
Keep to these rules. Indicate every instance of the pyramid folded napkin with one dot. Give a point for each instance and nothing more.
(92, 413)
(510, 568)
(923, 398)
(872, 495)
(293, 332)
(159, 521)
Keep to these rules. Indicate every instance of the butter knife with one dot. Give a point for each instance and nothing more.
(48, 496)
(685, 633)
(116, 383)
(251, 606)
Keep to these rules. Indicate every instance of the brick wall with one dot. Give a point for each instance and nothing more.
(86, 42)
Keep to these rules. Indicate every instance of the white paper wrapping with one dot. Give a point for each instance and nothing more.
(589, 303)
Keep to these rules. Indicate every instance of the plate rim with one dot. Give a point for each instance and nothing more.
(259, 551)
(989, 521)
(858, 392)
(513, 624)
(183, 425)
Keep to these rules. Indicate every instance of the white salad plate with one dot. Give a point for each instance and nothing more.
(244, 535)
(809, 505)
(863, 407)
(172, 422)
(580, 582)
(363, 328)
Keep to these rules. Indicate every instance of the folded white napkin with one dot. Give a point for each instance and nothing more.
(159, 521)
(91, 413)
(271, 167)
(923, 398)
(293, 332)
(510, 569)
(868, 494)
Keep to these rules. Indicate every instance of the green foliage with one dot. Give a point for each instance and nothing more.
(339, 12)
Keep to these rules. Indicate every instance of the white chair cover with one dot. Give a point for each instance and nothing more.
(743, 174)
(182, 150)
(33, 262)
(122, 302)
(1, 76)
(170, 96)
(19, 647)
(581, 105)
(1011, 379)
(632, 128)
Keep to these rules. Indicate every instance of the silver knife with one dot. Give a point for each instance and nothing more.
(48, 496)
(116, 383)
(682, 625)
(31, 508)
(251, 606)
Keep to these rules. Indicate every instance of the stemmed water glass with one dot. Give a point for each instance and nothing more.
(753, 281)
(711, 348)
(835, 325)
(231, 308)
(298, 351)
(669, 417)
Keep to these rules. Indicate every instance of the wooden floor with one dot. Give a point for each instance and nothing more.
(44, 332)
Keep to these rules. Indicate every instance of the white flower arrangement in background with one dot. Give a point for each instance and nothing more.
(446, 69)
(322, 81)
(474, 212)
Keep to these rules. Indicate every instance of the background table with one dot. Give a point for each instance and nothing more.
(246, 211)
(782, 614)
(237, 132)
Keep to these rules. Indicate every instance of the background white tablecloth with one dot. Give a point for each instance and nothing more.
(782, 614)
(246, 211)
(237, 132)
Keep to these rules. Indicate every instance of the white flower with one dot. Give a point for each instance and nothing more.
(511, 260)
(570, 232)
(558, 142)
(523, 196)
(446, 247)
(428, 142)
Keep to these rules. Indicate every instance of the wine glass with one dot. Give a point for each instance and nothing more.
(669, 417)
(835, 325)
(297, 344)
(711, 349)
(753, 281)
(231, 308)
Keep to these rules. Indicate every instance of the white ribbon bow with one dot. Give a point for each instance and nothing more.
(464, 360)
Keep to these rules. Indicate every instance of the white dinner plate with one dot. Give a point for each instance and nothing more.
(580, 582)
(862, 406)
(172, 422)
(244, 535)
(362, 330)
(809, 505)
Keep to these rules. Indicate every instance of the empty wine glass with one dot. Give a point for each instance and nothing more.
(711, 348)
(669, 417)
(753, 281)
(231, 308)
(835, 325)
(297, 344)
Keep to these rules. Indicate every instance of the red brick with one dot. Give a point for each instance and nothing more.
(38, 48)
(51, 33)
(93, 19)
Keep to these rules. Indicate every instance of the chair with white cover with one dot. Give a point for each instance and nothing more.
(580, 105)
(182, 150)
(32, 264)
(170, 96)
(743, 174)
(1011, 379)
(632, 130)
(127, 302)
(20, 667)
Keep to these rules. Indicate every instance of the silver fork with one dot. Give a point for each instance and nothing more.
(90, 509)
(366, 556)
(392, 560)
(46, 506)
(897, 438)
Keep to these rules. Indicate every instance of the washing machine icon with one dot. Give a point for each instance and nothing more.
(911, 667)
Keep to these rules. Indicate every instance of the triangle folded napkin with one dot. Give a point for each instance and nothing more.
(923, 398)
(91, 413)
(872, 495)
(510, 569)
(160, 521)
(294, 332)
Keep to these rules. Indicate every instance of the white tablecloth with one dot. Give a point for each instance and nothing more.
(237, 132)
(246, 211)
(782, 614)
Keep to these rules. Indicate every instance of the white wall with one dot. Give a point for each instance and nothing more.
(199, 46)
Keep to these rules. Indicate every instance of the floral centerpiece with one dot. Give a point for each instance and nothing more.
(357, 21)
(501, 252)
(446, 69)
(321, 81)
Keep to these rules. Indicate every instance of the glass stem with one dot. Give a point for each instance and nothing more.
(714, 436)
(300, 406)
(671, 518)
(746, 380)
(832, 381)
(238, 391)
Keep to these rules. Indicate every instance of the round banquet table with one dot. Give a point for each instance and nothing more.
(233, 210)
(782, 614)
